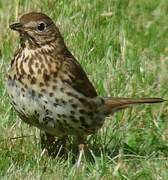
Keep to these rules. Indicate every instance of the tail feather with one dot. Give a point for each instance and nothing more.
(115, 104)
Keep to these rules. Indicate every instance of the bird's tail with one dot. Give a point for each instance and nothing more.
(115, 104)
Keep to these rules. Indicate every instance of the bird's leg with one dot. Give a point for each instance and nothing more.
(47, 143)
(51, 145)
(81, 149)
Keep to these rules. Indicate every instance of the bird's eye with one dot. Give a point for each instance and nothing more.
(41, 26)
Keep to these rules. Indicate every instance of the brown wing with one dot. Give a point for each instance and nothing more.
(78, 78)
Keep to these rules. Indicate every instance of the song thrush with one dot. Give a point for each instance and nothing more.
(49, 89)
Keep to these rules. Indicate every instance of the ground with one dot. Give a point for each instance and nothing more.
(123, 47)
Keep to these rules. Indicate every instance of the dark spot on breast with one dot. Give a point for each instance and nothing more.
(33, 93)
(64, 116)
(39, 71)
(47, 111)
(28, 76)
(64, 121)
(74, 106)
(73, 119)
(42, 66)
(72, 95)
(14, 103)
(40, 95)
(62, 89)
(66, 124)
(22, 89)
(36, 64)
(63, 102)
(20, 78)
(43, 90)
(83, 122)
(33, 80)
(55, 80)
(82, 100)
(59, 122)
(70, 100)
(25, 85)
(72, 112)
(51, 94)
(54, 87)
(14, 77)
(25, 60)
(82, 111)
(46, 77)
(90, 114)
(49, 65)
(31, 70)
(56, 100)
(59, 115)
(41, 84)
(9, 77)
(55, 104)
(82, 119)
(55, 74)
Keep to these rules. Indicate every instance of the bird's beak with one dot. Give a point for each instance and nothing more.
(16, 26)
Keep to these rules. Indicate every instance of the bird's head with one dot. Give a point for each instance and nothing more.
(36, 29)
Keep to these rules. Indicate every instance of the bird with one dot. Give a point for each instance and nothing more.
(49, 89)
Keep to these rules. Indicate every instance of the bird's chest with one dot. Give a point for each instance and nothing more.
(42, 99)
(28, 82)
(54, 112)
(24, 100)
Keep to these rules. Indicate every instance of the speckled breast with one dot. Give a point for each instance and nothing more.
(58, 114)
(44, 100)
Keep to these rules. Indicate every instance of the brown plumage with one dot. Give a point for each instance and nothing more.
(50, 90)
(116, 104)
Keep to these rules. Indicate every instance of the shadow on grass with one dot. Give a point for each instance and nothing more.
(95, 149)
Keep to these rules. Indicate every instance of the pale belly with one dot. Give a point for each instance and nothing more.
(58, 114)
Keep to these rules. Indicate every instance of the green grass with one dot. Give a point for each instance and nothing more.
(125, 54)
